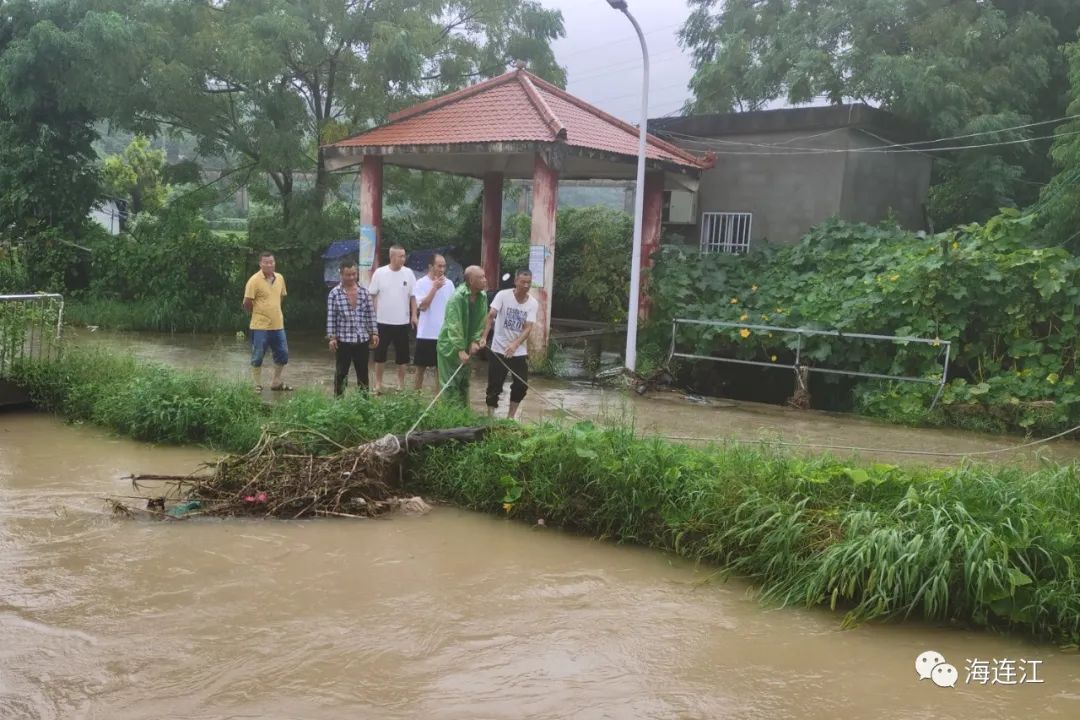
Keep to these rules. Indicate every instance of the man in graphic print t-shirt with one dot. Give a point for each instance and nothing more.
(513, 312)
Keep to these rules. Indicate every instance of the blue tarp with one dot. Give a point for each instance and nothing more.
(339, 249)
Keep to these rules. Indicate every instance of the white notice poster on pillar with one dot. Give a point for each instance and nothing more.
(366, 249)
(537, 257)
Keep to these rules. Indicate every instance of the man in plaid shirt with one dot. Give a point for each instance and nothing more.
(350, 327)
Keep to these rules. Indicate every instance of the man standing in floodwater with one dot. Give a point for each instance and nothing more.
(262, 300)
(395, 309)
(350, 328)
(462, 334)
(514, 314)
(432, 293)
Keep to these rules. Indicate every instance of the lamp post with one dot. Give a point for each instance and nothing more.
(639, 195)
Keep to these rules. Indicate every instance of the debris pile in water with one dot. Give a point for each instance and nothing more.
(276, 479)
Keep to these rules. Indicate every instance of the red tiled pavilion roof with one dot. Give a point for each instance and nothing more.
(512, 108)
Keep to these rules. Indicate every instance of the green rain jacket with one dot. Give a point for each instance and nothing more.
(463, 325)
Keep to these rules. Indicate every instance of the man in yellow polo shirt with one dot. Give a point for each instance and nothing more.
(262, 299)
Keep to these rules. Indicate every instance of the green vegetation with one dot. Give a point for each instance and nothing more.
(948, 68)
(974, 545)
(155, 403)
(979, 546)
(592, 261)
(1008, 306)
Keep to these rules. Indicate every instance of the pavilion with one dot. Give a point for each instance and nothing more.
(516, 126)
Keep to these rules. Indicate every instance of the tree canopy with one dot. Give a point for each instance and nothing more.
(265, 82)
(951, 67)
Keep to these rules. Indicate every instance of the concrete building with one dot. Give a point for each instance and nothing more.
(780, 172)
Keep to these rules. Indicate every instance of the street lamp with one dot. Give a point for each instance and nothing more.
(639, 195)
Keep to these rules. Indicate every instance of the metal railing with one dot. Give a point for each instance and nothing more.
(801, 333)
(31, 328)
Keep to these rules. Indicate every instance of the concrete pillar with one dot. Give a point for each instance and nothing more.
(545, 201)
(651, 227)
(492, 233)
(371, 195)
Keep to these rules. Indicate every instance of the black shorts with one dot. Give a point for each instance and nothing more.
(427, 353)
(396, 335)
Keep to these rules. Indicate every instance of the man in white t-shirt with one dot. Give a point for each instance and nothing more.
(391, 290)
(432, 293)
(513, 312)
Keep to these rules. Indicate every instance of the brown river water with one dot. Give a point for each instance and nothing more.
(448, 615)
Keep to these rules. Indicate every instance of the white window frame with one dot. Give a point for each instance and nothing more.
(726, 232)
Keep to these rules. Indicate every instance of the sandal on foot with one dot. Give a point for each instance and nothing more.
(281, 388)
(258, 388)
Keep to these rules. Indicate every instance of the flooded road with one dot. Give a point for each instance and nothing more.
(449, 615)
(663, 413)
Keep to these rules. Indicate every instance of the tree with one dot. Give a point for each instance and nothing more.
(135, 178)
(1060, 204)
(952, 67)
(60, 61)
(265, 82)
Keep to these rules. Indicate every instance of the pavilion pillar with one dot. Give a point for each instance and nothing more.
(492, 228)
(651, 227)
(371, 196)
(545, 201)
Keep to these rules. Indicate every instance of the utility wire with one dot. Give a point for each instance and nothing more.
(706, 144)
(891, 145)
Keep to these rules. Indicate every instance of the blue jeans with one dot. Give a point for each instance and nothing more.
(278, 346)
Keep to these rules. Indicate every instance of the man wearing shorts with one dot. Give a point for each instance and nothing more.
(513, 314)
(391, 289)
(432, 293)
(262, 300)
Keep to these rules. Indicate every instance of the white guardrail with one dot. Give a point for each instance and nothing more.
(800, 333)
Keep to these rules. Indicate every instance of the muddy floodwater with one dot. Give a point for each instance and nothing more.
(449, 615)
(672, 414)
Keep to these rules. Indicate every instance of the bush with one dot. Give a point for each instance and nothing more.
(14, 277)
(1008, 307)
(592, 261)
(167, 272)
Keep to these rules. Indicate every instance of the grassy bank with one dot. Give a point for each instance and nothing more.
(981, 546)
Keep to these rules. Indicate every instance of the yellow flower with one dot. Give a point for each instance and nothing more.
(508, 506)
(955, 245)
(937, 342)
(773, 358)
(780, 310)
(765, 318)
(744, 317)
(744, 333)
(734, 301)
(894, 278)
(753, 288)
(1052, 378)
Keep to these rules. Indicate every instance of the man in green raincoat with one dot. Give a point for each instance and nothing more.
(462, 333)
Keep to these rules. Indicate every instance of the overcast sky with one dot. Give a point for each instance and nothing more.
(602, 56)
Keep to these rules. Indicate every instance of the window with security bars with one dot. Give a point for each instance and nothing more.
(725, 232)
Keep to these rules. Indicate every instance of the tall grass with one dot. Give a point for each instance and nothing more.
(982, 546)
(159, 404)
(978, 545)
